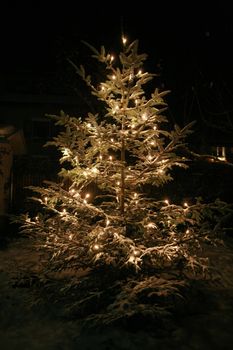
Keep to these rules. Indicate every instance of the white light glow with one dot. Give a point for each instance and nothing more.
(124, 40)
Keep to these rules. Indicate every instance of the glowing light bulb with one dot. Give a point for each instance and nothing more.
(135, 252)
(135, 194)
(118, 183)
(110, 158)
(152, 143)
(155, 127)
(89, 125)
(136, 102)
(72, 191)
(124, 40)
(111, 58)
(96, 246)
(70, 237)
(87, 195)
(113, 77)
(64, 211)
(186, 204)
(46, 200)
(166, 201)
(187, 231)
(100, 157)
(85, 201)
(139, 72)
(144, 116)
(107, 222)
(112, 140)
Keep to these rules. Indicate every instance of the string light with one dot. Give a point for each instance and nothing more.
(96, 246)
(144, 116)
(107, 222)
(113, 77)
(186, 204)
(87, 195)
(124, 40)
(110, 158)
(115, 109)
(166, 201)
(111, 58)
(46, 200)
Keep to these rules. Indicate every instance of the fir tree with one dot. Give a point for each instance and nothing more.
(101, 218)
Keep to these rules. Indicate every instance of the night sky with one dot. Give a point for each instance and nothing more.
(186, 42)
(166, 31)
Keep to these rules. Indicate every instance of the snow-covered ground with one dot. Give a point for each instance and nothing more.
(207, 323)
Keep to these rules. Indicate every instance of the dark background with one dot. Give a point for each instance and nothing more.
(189, 44)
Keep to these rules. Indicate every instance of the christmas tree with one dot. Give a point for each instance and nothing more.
(101, 219)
